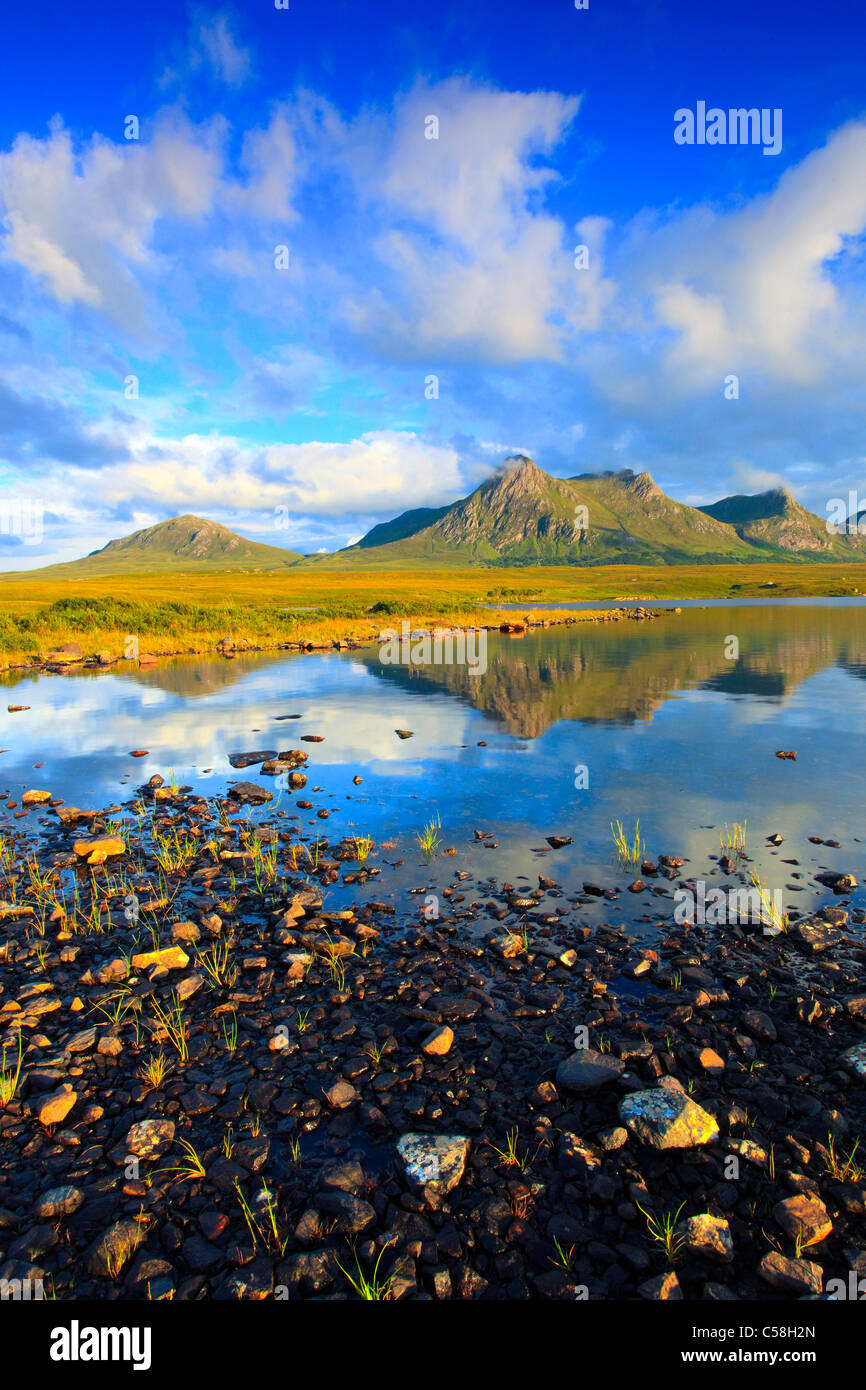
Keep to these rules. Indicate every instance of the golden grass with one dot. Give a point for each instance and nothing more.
(322, 606)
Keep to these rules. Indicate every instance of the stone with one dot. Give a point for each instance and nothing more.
(340, 1095)
(663, 1287)
(709, 1237)
(185, 931)
(352, 1215)
(250, 791)
(35, 798)
(59, 1201)
(113, 1249)
(791, 1276)
(433, 1163)
(587, 1069)
(804, 1218)
(104, 846)
(816, 935)
(855, 1060)
(169, 958)
(759, 1025)
(666, 1119)
(439, 1042)
(190, 985)
(710, 1060)
(150, 1138)
(341, 1175)
(612, 1138)
(81, 1042)
(241, 760)
(54, 1110)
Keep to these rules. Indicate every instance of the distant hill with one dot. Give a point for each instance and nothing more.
(519, 516)
(523, 516)
(183, 543)
(776, 519)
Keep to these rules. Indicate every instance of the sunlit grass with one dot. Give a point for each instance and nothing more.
(628, 853)
(663, 1231)
(733, 839)
(9, 1076)
(771, 914)
(429, 839)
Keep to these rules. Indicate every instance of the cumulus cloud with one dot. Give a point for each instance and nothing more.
(452, 255)
(476, 267)
(83, 224)
(754, 288)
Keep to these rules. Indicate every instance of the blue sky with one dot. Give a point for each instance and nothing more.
(296, 404)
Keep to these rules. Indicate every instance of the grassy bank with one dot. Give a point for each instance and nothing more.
(194, 611)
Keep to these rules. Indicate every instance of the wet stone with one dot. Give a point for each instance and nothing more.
(586, 1070)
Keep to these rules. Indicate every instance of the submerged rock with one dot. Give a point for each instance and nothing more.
(250, 791)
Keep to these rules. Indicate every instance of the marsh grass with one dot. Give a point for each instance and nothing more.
(369, 1287)
(628, 853)
(9, 1078)
(429, 839)
(771, 915)
(663, 1231)
(733, 839)
(844, 1170)
(171, 1020)
(153, 1071)
(189, 1168)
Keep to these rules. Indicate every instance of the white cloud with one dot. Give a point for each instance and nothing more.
(229, 62)
(383, 472)
(477, 268)
(84, 224)
(753, 289)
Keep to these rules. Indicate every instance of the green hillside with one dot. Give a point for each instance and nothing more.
(183, 543)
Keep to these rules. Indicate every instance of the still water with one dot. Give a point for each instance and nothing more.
(568, 729)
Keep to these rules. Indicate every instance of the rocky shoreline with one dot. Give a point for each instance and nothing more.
(71, 656)
(231, 1089)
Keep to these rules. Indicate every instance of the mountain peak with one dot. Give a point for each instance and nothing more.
(644, 485)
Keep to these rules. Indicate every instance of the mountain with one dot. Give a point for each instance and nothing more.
(523, 515)
(519, 516)
(406, 524)
(182, 543)
(775, 519)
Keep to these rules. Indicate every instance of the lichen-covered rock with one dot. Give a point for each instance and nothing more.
(855, 1060)
(150, 1138)
(666, 1119)
(433, 1163)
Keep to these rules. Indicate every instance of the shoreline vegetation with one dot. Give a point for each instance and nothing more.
(226, 613)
